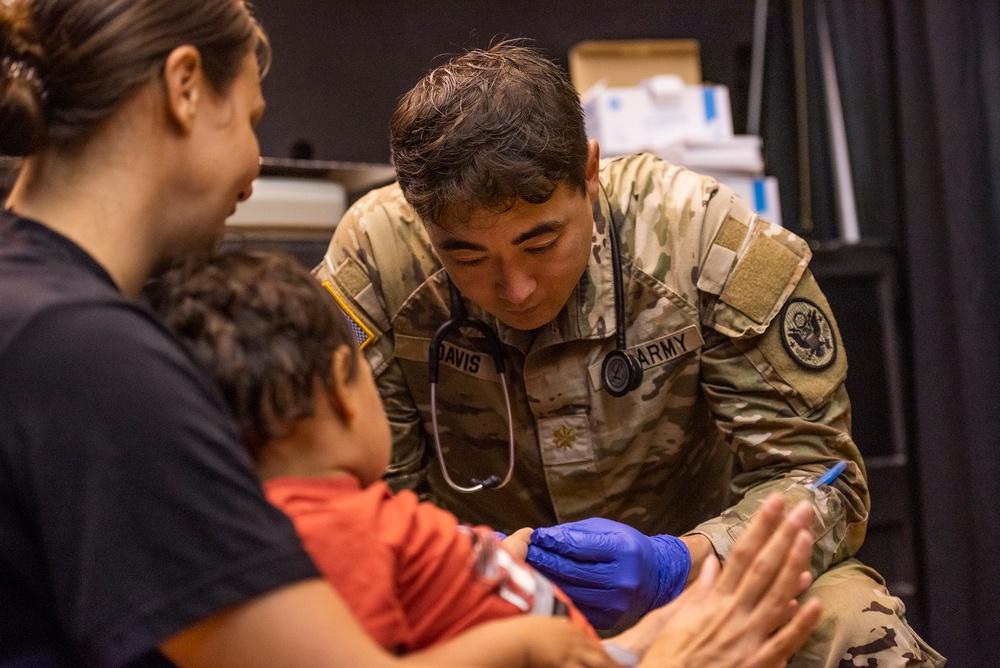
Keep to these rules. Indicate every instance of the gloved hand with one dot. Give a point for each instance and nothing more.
(613, 573)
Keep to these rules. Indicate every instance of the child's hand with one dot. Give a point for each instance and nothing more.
(517, 543)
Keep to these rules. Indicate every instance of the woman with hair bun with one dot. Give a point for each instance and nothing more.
(132, 527)
(133, 530)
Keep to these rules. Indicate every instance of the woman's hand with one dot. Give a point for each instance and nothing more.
(746, 615)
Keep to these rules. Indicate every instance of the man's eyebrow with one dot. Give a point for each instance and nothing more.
(453, 244)
(537, 231)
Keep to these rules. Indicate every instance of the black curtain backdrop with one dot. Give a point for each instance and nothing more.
(920, 85)
(948, 107)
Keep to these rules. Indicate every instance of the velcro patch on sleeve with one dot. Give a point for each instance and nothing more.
(760, 277)
(352, 277)
(731, 234)
(362, 332)
(719, 262)
(715, 269)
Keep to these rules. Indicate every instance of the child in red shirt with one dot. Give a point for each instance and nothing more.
(313, 421)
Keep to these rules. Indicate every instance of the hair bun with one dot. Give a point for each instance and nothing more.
(22, 113)
(22, 92)
(71, 63)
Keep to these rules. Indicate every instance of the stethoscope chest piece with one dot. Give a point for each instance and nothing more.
(621, 373)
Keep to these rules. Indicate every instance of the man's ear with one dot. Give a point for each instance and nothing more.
(183, 79)
(593, 173)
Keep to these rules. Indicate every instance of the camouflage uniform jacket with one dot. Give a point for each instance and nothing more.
(743, 370)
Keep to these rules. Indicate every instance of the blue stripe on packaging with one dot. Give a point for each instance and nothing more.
(759, 195)
(709, 93)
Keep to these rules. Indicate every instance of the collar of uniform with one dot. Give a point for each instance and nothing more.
(590, 311)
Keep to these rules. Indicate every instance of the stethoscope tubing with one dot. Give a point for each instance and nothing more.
(458, 318)
(490, 482)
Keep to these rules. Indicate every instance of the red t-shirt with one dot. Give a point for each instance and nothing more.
(408, 571)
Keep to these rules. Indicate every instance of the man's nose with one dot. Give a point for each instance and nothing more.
(514, 286)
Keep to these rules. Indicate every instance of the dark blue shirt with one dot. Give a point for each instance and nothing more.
(128, 509)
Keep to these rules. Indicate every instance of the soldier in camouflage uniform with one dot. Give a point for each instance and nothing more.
(742, 390)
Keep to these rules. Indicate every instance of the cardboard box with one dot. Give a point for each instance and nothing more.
(624, 63)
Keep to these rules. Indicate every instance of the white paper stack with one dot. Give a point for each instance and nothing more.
(689, 125)
(660, 112)
(291, 204)
(739, 154)
(761, 192)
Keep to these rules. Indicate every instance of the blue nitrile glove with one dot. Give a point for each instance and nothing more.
(613, 573)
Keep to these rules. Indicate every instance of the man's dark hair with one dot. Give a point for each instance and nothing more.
(486, 129)
(264, 328)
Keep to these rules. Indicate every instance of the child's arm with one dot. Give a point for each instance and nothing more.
(307, 624)
(528, 641)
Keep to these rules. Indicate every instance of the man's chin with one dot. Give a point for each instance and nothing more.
(527, 321)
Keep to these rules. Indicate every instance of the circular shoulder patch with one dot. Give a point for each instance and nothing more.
(807, 334)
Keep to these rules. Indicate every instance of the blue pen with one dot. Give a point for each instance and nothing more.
(829, 476)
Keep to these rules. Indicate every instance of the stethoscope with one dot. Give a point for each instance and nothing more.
(458, 317)
(620, 371)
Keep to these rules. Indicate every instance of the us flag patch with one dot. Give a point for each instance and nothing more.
(362, 334)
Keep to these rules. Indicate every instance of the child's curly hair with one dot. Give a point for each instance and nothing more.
(265, 329)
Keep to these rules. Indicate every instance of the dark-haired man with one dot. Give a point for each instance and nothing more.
(725, 383)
